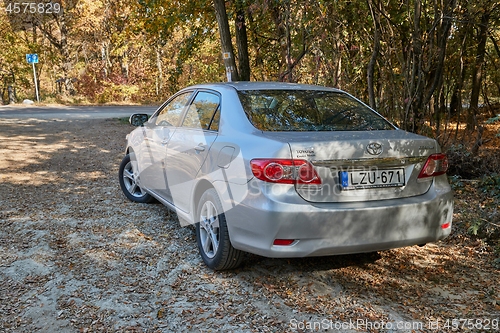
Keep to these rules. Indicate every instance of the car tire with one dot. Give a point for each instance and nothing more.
(128, 182)
(212, 234)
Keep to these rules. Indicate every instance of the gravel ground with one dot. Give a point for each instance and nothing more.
(76, 256)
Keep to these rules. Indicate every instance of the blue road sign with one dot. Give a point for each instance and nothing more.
(32, 58)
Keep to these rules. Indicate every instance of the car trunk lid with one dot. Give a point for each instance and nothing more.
(361, 166)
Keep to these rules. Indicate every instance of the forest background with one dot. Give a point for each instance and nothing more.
(430, 66)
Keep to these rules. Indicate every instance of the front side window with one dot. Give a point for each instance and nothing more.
(201, 112)
(171, 113)
(308, 110)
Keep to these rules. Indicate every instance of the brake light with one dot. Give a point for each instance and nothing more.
(285, 171)
(436, 165)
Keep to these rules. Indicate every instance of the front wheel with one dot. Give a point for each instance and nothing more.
(128, 182)
(212, 234)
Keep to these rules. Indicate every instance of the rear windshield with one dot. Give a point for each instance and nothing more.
(306, 110)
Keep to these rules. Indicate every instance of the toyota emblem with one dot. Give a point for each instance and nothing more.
(374, 148)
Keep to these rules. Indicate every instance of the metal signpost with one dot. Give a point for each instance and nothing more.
(33, 59)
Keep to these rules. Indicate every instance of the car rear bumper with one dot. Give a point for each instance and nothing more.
(338, 228)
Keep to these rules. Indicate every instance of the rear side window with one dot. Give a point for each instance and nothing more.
(307, 110)
(201, 112)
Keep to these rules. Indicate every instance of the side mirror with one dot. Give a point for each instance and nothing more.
(138, 119)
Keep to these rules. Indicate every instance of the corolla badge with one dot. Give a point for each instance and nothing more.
(374, 148)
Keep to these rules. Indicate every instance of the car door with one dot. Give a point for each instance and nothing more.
(157, 133)
(188, 147)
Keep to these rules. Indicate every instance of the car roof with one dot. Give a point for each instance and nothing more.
(265, 85)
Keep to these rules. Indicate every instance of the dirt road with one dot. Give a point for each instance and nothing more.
(76, 256)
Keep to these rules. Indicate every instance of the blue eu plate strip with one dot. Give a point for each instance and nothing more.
(344, 177)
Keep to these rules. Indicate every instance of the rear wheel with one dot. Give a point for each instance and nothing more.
(128, 182)
(212, 234)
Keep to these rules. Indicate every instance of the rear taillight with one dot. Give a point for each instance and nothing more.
(436, 165)
(285, 171)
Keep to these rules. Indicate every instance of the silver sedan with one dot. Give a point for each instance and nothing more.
(286, 170)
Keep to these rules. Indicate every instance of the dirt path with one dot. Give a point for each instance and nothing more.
(75, 256)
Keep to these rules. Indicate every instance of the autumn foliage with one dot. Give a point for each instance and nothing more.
(430, 67)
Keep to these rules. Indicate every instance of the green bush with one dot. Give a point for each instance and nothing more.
(462, 163)
(494, 120)
(490, 186)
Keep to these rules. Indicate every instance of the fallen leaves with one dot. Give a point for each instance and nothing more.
(99, 263)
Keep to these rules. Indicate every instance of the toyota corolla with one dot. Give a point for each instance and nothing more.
(286, 170)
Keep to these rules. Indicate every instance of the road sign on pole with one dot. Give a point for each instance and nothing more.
(32, 58)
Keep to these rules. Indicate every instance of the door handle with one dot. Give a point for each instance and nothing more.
(199, 148)
(164, 142)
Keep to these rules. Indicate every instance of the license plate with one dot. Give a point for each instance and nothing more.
(354, 180)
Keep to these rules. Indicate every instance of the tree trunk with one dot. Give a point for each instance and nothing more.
(159, 78)
(12, 94)
(376, 50)
(456, 98)
(281, 33)
(443, 34)
(225, 38)
(497, 49)
(477, 71)
(124, 65)
(495, 45)
(64, 50)
(415, 89)
(242, 43)
(426, 77)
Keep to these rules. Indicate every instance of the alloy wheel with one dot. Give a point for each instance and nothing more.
(130, 181)
(209, 229)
